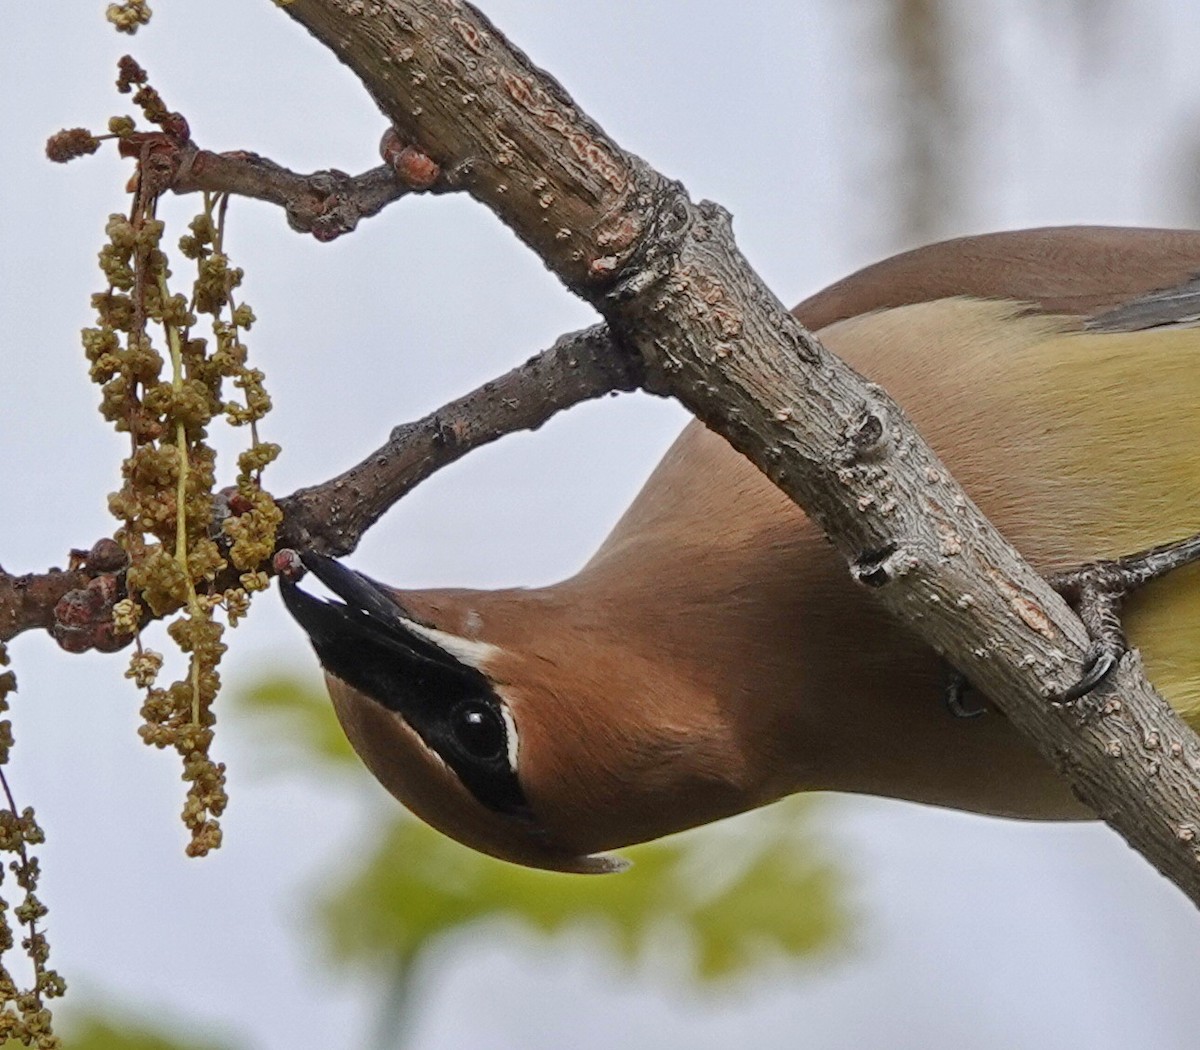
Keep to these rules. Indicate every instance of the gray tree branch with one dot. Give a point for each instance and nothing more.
(667, 277)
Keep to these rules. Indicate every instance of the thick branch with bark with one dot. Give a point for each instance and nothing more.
(666, 275)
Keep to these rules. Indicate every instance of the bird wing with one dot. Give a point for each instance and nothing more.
(1076, 270)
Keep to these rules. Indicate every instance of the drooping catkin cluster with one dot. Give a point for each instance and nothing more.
(24, 1015)
(191, 549)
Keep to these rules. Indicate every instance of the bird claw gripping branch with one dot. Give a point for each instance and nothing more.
(1097, 592)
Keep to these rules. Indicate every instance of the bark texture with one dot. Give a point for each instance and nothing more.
(666, 275)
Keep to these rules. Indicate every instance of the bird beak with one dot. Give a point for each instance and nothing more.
(369, 612)
(358, 591)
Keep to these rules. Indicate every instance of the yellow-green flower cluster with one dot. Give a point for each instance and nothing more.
(191, 549)
(24, 1016)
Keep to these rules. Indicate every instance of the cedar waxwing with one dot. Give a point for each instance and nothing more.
(715, 655)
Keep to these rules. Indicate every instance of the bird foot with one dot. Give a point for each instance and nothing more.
(1097, 591)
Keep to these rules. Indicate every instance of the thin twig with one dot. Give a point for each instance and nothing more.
(332, 517)
(326, 203)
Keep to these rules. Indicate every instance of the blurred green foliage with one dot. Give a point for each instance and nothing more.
(419, 886)
(100, 1031)
(742, 893)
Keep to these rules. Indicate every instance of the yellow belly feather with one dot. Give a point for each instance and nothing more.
(1078, 445)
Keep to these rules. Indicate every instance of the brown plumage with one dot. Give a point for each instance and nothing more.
(715, 655)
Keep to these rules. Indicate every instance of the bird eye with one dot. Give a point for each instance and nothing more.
(478, 729)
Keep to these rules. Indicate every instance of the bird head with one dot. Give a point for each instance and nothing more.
(496, 748)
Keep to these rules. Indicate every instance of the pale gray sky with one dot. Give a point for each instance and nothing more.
(974, 933)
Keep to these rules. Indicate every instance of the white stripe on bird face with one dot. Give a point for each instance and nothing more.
(466, 650)
(511, 728)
